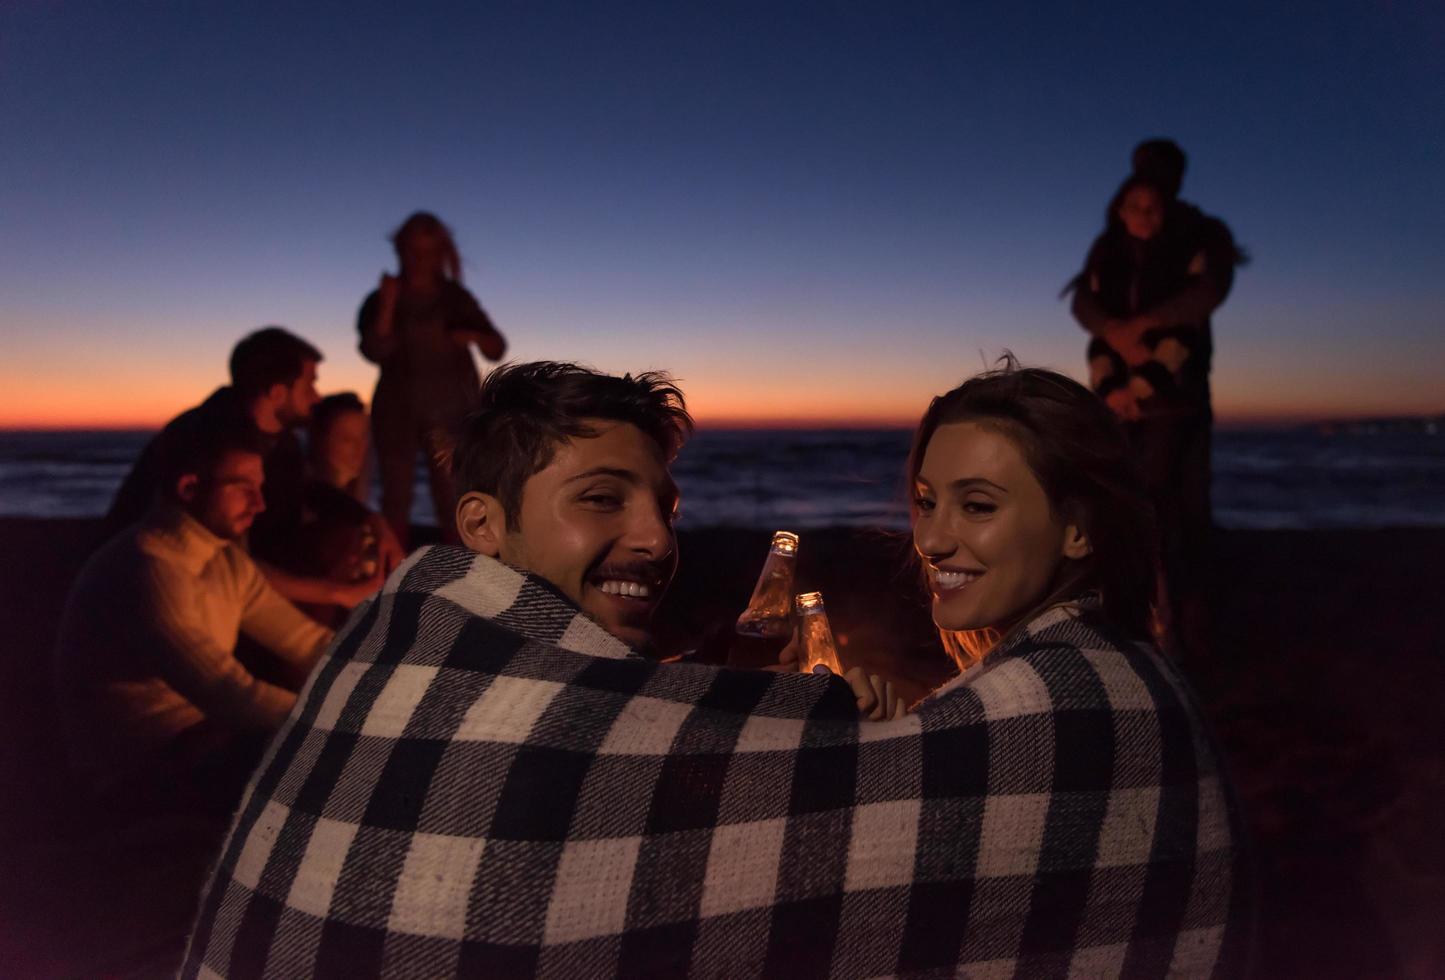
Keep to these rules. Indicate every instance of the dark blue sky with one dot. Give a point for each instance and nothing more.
(826, 210)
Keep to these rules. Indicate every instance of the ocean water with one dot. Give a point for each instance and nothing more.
(811, 479)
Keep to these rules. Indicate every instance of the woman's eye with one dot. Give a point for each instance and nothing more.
(922, 504)
(978, 507)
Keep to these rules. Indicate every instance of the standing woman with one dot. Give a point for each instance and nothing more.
(419, 326)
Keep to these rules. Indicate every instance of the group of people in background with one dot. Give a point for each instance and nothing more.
(489, 771)
(243, 536)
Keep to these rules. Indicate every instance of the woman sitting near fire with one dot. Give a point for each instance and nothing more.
(339, 537)
(1104, 821)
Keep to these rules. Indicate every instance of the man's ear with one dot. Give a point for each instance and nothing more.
(481, 522)
(277, 394)
(1076, 542)
(188, 486)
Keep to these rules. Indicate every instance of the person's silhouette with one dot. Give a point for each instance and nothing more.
(419, 326)
(1148, 288)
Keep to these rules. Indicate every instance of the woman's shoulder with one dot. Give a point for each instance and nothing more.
(1082, 660)
(455, 292)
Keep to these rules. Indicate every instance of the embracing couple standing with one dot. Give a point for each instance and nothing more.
(486, 775)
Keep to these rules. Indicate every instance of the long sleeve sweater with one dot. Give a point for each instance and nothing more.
(147, 644)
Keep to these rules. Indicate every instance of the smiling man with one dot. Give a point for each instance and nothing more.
(564, 473)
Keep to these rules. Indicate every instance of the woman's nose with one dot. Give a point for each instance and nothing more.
(932, 539)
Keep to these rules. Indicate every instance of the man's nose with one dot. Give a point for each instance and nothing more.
(651, 533)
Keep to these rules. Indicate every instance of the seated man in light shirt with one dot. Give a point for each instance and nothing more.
(151, 691)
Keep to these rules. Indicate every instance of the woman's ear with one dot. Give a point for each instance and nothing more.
(481, 522)
(1076, 542)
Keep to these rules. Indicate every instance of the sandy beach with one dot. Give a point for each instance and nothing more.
(1325, 689)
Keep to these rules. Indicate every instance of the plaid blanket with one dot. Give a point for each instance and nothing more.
(479, 780)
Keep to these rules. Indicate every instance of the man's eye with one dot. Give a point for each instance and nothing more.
(602, 500)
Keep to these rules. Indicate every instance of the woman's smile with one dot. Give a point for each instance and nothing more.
(948, 580)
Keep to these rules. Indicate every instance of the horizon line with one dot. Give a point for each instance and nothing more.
(776, 424)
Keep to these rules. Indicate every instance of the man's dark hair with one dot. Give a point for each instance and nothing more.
(196, 443)
(269, 356)
(526, 410)
(1162, 162)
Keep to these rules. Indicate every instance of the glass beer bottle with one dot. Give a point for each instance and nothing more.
(817, 646)
(766, 624)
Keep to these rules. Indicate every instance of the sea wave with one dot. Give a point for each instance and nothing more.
(855, 478)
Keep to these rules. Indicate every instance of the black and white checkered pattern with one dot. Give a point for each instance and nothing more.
(479, 780)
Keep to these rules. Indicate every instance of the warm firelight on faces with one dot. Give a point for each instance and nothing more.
(991, 544)
(342, 451)
(596, 522)
(226, 500)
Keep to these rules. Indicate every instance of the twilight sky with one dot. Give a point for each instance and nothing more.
(807, 212)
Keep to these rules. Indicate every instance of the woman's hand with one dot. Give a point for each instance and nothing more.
(877, 701)
(353, 594)
(1126, 338)
(1121, 402)
(489, 342)
(790, 656)
(389, 552)
(464, 337)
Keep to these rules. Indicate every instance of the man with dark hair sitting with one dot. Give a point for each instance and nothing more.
(151, 692)
(487, 778)
(272, 390)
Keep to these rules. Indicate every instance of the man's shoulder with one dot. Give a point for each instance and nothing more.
(453, 586)
(122, 572)
(223, 404)
(1192, 222)
(122, 551)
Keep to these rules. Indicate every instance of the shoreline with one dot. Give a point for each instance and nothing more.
(1324, 690)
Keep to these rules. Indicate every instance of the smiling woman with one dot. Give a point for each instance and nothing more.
(1034, 533)
(1024, 497)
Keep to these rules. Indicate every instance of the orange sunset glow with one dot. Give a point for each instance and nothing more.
(92, 389)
